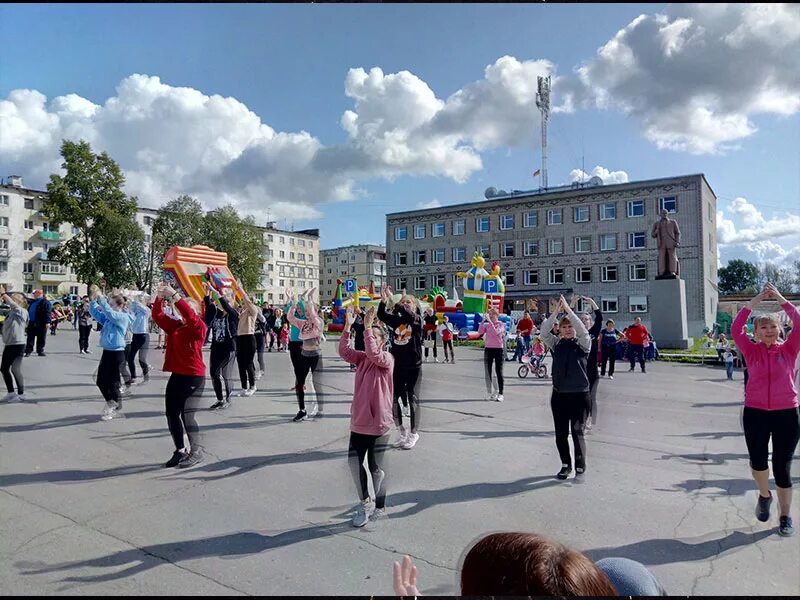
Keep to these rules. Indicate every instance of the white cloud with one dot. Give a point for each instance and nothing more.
(607, 176)
(430, 204)
(697, 75)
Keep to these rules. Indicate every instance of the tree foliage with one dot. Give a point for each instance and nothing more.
(781, 277)
(739, 276)
(90, 198)
(225, 231)
(179, 223)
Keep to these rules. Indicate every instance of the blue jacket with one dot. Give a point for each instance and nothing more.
(114, 322)
(39, 310)
(294, 332)
(141, 318)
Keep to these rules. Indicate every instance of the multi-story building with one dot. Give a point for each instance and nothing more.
(291, 260)
(363, 262)
(26, 236)
(589, 240)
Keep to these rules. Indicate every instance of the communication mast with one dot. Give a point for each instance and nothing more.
(543, 104)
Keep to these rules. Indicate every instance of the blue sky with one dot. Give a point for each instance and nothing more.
(278, 145)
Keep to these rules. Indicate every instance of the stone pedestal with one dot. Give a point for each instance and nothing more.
(668, 314)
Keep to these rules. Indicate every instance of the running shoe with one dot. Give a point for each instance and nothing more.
(364, 512)
(762, 508)
(499, 398)
(378, 514)
(405, 410)
(88, 352)
(216, 406)
(42, 354)
(630, 370)
(191, 460)
(785, 528)
(147, 375)
(300, 416)
(177, 457)
(411, 441)
(565, 472)
(377, 480)
(401, 440)
(611, 377)
(314, 410)
(225, 404)
(109, 412)
(20, 398)
(10, 397)
(436, 360)
(490, 396)
(250, 391)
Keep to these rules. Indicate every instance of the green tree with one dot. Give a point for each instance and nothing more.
(781, 277)
(225, 231)
(125, 262)
(737, 277)
(89, 197)
(179, 223)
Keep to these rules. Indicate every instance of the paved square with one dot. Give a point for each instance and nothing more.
(86, 507)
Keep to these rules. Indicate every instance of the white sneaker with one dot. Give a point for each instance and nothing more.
(378, 514)
(490, 396)
(402, 440)
(499, 397)
(10, 397)
(108, 413)
(611, 377)
(411, 441)
(251, 391)
(436, 360)
(19, 398)
(364, 512)
(314, 410)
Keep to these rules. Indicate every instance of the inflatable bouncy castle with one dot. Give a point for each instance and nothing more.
(188, 269)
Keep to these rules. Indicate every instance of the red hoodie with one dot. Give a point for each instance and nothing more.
(185, 339)
(636, 334)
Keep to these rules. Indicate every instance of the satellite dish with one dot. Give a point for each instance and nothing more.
(594, 181)
(502, 193)
(490, 192)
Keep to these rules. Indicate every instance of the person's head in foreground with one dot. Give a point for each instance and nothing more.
(566, 330)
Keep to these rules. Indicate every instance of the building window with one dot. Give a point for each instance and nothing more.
(291, 241)
(439, 280)
(583, 274)
(3, 267)
(310, 244)
(507, 250)
(28, 203)
(50, 289)
(638, 304)
(609, 305)
(531, 219)
(73, 289)
(483, 250)
(301, 257)
(555, 246)
(531, 277)
(459, 254)
(419, 257)
(555, 276)
(583, 244)
(291, 255)
(530, 248)
(506, 222)
(419, 231)
(437, 230)
(282, 282)
(608, 242)
(635, 208)
(482, 225)
(636, 239)
(668, 203)
(419, 282)
(281, 254)
(608, 274)
(270, 237)
(28, 246)
(3, 199)
(580, 214)
(554, 216)
(282, 240)
(438, 255)
(400, 234)
(400, 283)
(608, 211)
(27, 224)
(400, 259)
(511, 278)
(27, 267)
(459, 227)
(637, 272)
(302, 243)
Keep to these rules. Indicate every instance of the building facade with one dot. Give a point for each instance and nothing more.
(291, 260)
(26, 236)
(362, 262)
(591, 241)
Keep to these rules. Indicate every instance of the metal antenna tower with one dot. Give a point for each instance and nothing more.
(543, 104)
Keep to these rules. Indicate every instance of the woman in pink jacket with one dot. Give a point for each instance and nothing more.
(770, 404)
(371, 412)
(494, 332)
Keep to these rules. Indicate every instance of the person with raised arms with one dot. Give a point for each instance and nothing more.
(14, 338)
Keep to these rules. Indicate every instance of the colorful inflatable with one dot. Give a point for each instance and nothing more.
(188, 269)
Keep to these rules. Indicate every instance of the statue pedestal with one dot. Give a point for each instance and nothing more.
(668, 314)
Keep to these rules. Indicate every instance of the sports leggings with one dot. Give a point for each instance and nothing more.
(304, 366)
(108, 376)
(245, 351)
(260, 342)
(83, 336)
(609, 357)
(569, 412)
(12, 365)
(182, 400)
(372, 447)
(448, 344)
(406, 386)
(430, 336)
(490, 355)
(783, 426)
(221, 359)
(141, 344)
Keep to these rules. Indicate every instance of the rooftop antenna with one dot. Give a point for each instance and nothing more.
(543, 104)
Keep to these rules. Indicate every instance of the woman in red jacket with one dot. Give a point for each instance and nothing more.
(184, 359)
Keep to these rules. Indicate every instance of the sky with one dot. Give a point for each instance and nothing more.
(330, 116)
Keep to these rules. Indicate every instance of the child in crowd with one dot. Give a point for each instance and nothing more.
(727, 357)
(446, 330)
(283, 346)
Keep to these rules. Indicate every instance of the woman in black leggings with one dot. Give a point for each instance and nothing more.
(246, 343)
(222, 325)
(310, 358)
(184, 359)
(14, 339)
(261, 340)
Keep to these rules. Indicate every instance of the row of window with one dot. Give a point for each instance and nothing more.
(282, 240)
(26, 202)
(607, 242)
(555, 216)
(301, 257)
(52, 268)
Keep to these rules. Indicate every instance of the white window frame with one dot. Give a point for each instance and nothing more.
(552, 212)
(632, 268)
(575, 210)
(631, 204)
(604, 274)
(397, 230)
(551, 280)
(439, 277)
(588, 240)
(580, 270)
(479, 220)
(3, 221)
(504, 248)
(526, 247)
(435, 253)
(503, 222)
(4, 199)
(603, 237)
(527, 276)
(28, 225)
(416, 231)
(417, 260)
(605, 305)
(397, 262)
(550, 243)
(463, 258)
(661, 200)
(417, 279)
(631, 238)
(400, 283)
(433, 229)
(635, 304)
(463, 227)
(602, 211)
(526, 219)
(487, 247)
(513, 281)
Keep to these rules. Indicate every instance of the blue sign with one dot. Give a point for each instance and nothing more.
(491, 286)
(350, 286)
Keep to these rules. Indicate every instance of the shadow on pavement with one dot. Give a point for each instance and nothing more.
(486, 435)
(705, 458)
(710, 435)
(726, 487)
(717, 404)
(74, 420)
(74, 475)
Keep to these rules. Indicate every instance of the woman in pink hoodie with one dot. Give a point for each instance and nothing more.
(770, 402)
(371, 412)
(494, 332)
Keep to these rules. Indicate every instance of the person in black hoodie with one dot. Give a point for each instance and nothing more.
(223, 324)
(405, 321)
(570, 399)
(591, 360)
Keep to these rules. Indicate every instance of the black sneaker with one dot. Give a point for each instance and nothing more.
(27, 354)
(42, 354)
(565, 472)
(225, 404)
(191, 460)
(785, 528)
(762, 508)
(216, 406)
(300, 416)
(177, 457)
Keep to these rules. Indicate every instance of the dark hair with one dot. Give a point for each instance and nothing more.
(528, 564)
(610, 322)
